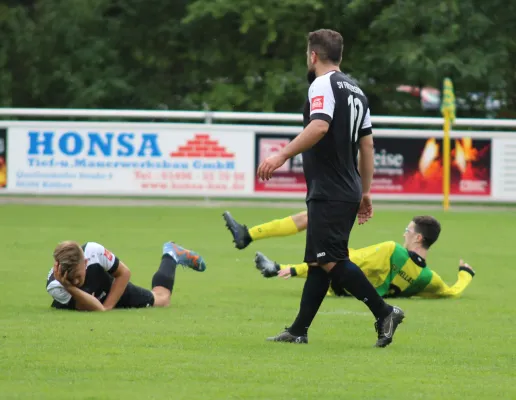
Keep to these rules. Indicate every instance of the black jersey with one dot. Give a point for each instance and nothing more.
(331, 166)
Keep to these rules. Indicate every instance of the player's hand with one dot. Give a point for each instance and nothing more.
(269, 165)
(365, 211)
(465, 265)
(284, 273)
(62, 278)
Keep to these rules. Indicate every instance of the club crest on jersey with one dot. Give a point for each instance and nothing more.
(108, 254)
(317, 103)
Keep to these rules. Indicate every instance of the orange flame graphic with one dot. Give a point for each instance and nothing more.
(464, 154)
(460, 157)
(430, 153)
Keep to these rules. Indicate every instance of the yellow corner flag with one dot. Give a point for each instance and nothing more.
(448, 112)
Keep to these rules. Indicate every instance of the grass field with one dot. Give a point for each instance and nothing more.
(210, 343)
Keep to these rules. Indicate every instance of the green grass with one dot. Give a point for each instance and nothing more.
(210, 343)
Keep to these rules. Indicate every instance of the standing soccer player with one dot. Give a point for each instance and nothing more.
(337, 126)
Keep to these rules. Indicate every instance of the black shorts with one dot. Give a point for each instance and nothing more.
(328, 230)
(135, 297)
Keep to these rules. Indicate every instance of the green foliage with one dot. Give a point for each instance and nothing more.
(245, 55)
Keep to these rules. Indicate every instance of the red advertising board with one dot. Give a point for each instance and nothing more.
(415, 166)
(412, 166)
(288, 178)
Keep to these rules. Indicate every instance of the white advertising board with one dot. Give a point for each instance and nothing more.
(128, 159)
(504, 169)
(211, 160)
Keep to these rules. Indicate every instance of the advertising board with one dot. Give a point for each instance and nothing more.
(125, 159)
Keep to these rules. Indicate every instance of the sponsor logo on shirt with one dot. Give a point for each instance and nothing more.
(108, 255)
(317, 103)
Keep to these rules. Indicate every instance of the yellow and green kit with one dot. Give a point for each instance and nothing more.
(397, 272)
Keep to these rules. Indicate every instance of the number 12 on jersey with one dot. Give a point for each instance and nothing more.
(356, 112)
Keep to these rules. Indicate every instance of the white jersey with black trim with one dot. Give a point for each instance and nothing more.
(96, 255)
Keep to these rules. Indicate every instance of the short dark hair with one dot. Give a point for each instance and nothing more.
(429, 228)
(327, 44)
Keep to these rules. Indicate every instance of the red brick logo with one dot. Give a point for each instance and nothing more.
(317, 103)
(202, 146)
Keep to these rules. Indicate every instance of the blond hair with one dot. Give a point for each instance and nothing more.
(68, 255)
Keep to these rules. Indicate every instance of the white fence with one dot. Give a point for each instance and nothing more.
(220, 159)
(214, 116)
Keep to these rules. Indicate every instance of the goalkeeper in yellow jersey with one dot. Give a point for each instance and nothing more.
(394, 270)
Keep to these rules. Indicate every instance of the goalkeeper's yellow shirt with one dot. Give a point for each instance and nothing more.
(396, 272)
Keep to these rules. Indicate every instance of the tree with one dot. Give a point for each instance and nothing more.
(249, 56)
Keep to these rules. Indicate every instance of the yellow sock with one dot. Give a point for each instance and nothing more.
(277, 227)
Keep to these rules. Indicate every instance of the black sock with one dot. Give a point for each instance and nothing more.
(347, 275)
(166, 272)
(316, 287)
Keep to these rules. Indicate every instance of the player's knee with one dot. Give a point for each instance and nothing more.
(162, 301)
(301, 220)
(337, 289)
(161, 296)
(351, 267)
(317, 271)
(349, 270)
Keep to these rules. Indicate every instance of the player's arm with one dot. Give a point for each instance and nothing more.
(299, 270)
(84, 301)
(366, 167)
(71, 297)
(437, 288)
(122, 275)
(312, 134)
(366, 150)
(112, 265)
(322, 106)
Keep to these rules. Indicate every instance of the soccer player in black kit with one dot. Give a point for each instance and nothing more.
(91, 278)
(338, 126)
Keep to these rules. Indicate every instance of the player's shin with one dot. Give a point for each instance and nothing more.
(165, 275)
(347, 275)
(314, 291)
(278, 227)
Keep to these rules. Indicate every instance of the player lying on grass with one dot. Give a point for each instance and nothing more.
(91, 278)
(394, 270)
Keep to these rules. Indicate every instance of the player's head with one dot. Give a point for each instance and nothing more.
(324, 47)
(69, 257)
(422, 231)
